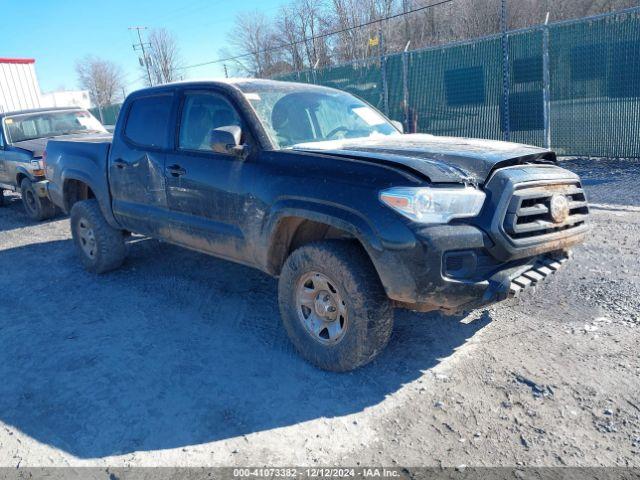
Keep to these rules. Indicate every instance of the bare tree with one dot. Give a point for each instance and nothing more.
(103, 79)
(254, 35)
(300, 36)
(476, 18)
(309, 28)
(286, 30)
(352, 42)
(164, 57)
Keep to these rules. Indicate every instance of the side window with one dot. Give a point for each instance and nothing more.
(148, 121)
(201, 113)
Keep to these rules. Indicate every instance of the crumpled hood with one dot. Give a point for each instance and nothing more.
(442, 159)
(38, 145)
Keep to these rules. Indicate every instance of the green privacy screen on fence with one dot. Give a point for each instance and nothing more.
(107, 115)
(462, 89)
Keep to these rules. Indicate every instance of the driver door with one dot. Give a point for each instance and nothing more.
(203, 186)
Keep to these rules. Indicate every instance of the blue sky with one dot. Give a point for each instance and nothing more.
(57, 33)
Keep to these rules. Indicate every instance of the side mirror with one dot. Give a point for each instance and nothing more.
(227, 140)
(398, 125)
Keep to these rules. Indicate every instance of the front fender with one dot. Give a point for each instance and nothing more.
(377, 245)
(22, 170)
(337, 216)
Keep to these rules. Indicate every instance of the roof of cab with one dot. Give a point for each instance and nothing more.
(229, 83)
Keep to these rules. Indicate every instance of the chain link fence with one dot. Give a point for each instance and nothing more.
(573, 86)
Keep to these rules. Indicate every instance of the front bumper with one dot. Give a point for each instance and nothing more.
(423, 278)
(511, 282)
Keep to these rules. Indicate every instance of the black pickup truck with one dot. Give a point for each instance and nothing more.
(319, 189)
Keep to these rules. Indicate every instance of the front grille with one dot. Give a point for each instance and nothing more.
(530, 214)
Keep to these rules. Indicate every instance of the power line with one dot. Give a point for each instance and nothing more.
(323, 35)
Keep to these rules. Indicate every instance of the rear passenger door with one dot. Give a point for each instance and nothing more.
(137, 163)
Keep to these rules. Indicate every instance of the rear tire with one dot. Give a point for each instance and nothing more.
(100, 246)
(348, 319)
(37, 208)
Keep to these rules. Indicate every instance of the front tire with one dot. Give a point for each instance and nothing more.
(333, 305)
(100, 246)
(37, 208)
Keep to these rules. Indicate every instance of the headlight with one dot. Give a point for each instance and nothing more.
(37, 168)
(434, 205)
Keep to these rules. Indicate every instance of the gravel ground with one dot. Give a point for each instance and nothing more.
(179, 359)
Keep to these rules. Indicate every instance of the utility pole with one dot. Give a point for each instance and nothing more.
(141, 46)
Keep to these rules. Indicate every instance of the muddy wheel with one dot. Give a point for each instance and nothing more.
(37, 208)
(333, 306)
(100, 246)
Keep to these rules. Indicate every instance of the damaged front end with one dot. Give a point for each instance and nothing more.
(532, 216)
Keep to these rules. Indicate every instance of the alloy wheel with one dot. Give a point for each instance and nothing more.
(321, 308)
(87, 238)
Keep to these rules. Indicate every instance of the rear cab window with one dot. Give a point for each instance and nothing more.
(148, 121)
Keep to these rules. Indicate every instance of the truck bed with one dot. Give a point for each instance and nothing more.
(87, 156)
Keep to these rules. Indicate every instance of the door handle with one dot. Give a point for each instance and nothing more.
(176, 170)
(120, 164)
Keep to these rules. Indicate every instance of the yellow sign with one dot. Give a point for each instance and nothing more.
(374, 42)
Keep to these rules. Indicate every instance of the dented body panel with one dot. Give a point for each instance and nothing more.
(250, 209)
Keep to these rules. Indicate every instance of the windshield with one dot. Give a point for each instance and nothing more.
(294, 114)
(19, 128)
